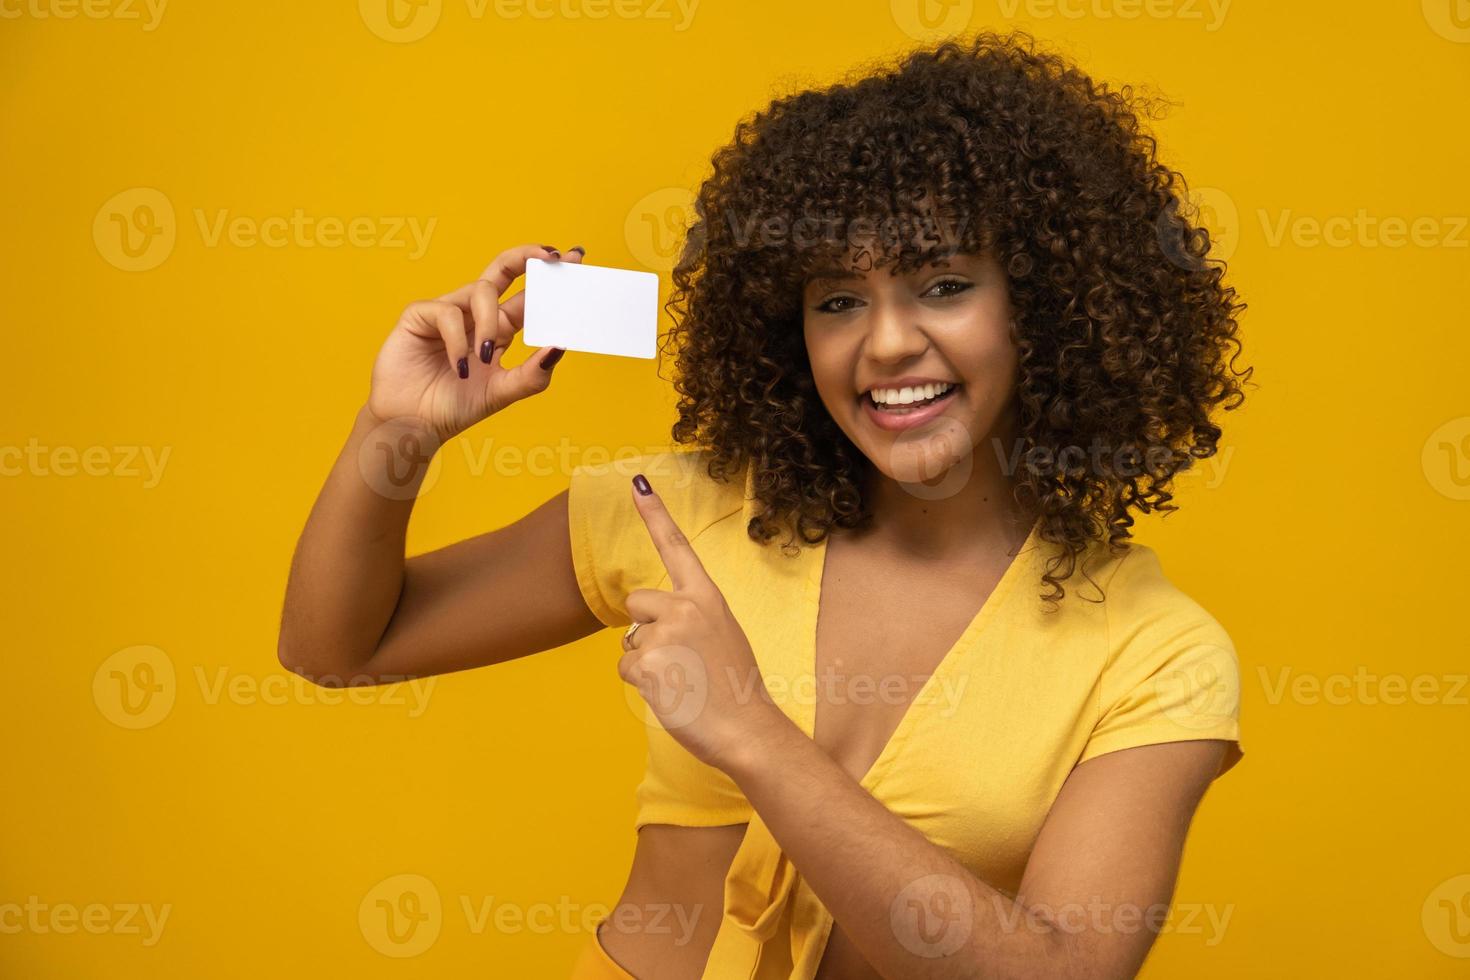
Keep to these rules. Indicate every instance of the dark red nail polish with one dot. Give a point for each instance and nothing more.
(464, 367)
(486, 350)
(549, 361)
(577, 248)
(552, 249)
(640, 482)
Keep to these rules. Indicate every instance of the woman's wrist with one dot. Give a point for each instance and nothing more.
(371, 420)
(776, 738)
(365, 415)
(393, 455)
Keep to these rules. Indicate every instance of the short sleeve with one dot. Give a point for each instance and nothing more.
(611, 550)
(1172, 673)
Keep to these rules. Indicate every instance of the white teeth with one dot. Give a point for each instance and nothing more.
(907, 396)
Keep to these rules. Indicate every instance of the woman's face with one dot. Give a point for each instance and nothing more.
(874, 334)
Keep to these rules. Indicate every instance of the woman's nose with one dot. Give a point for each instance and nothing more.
(894, 334)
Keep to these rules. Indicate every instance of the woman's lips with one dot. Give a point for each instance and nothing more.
(897, 423)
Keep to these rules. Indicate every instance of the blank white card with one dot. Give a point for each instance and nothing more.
(591, 308)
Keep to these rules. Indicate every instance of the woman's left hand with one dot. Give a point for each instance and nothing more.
(690, 660)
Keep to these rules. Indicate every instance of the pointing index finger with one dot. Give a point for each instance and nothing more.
(685, 569)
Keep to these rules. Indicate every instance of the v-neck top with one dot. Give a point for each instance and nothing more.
(1028, 691)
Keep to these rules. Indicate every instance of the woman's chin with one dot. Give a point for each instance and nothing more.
(934, 455)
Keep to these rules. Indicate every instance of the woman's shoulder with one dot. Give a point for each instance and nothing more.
(681, 477)
(1139, 599)
(1170, 671)
(611, 550)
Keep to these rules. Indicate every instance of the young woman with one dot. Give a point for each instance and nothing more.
(923, 709)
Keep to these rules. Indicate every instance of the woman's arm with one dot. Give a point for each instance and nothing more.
(1111, 841)
(356, 611)
(1094, 895)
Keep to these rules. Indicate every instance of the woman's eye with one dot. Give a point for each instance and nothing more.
(949, 287)
(827, 307)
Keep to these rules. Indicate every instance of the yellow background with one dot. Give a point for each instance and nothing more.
(1332, 543)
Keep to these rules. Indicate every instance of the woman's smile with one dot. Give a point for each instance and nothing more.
(896, 416)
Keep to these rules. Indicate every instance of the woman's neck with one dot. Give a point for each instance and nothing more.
(972, 507)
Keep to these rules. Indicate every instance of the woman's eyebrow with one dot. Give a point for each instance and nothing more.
(834, 275)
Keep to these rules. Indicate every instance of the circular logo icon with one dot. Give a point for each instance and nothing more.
(672, 687)
(938, 450)
(657, 227)
(1446, 917)
(929, 20)
(1450, 19)
(135, 687)
(401, 916)
(1204, 207)
(400, 21)
(1446, 458)
(394, 453)
(932, 916)
(135, 229)
(1201, 689)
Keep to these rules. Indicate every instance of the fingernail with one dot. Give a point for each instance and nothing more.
(577, 248)
(552, 249)
(549, 361)
(640, 482)
(464, 367)
(487, 348)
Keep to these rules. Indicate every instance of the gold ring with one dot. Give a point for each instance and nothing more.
(628, 636)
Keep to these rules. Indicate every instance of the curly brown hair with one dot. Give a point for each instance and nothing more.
(1125, 331)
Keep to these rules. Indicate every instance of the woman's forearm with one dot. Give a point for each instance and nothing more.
(347, 571)
(871, 869)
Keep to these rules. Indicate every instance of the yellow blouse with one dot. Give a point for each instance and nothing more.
(1021, 698)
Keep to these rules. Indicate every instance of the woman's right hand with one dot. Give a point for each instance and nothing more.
(441, 363)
